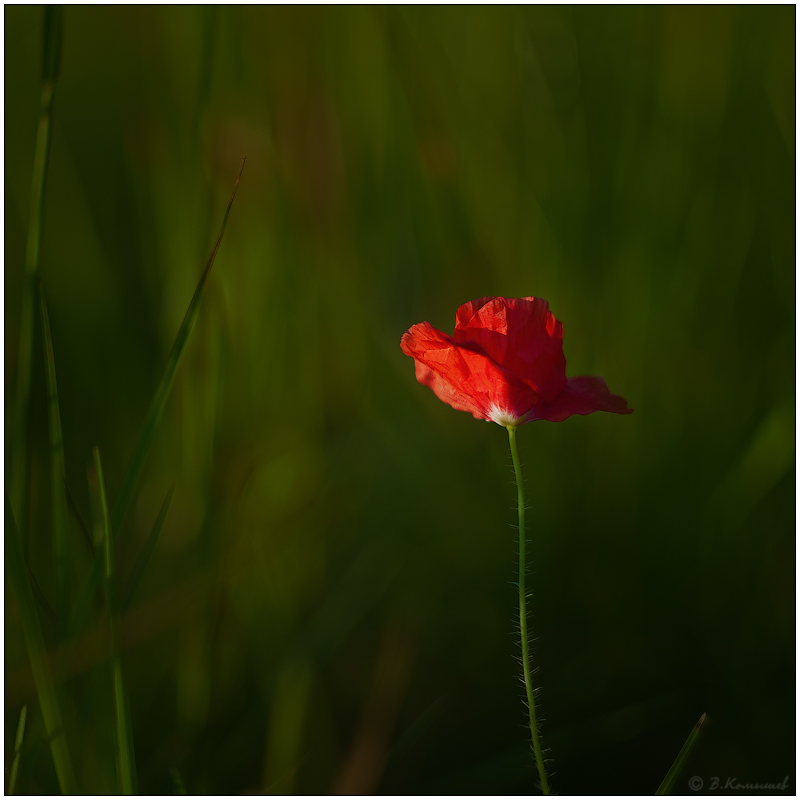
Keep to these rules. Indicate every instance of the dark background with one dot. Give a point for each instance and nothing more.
(329, 606)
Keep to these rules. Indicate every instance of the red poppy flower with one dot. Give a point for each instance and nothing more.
(505, 364)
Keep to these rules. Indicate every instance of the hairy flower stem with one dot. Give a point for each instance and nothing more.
(523, 612)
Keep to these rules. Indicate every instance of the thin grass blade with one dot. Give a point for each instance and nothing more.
(51, 53)
(77, 517)
(126, 767)
(58, 496)
(12, 779)
(177, 781)
(86, 601)
(162, 393)
(34, 642)
(144, 558)
(87, 596)
(41, 599)
(680, 761)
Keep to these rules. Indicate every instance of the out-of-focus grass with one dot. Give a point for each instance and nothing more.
(58, 495)
(632, 165)
(125, 757)
(147, 552)
(31, 631)
(50, 65)
(18, 739)
(676, 770)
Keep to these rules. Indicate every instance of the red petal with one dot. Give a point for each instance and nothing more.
(464, 377)
(583, 395)
(519, 334)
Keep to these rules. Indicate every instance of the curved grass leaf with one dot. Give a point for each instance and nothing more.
(51, 53)
(144, 558)
(77, 517)
(12, 779)
(162, 393)
(40, 597)
(58, 497)
(126, 765)
(85, 601)
(34, 642)
(680, 761)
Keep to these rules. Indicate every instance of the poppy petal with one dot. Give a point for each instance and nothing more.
(505, 363)
(583, 395)
(522, 335)
(465, 377)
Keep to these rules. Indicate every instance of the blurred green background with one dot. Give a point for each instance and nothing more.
(329, 607)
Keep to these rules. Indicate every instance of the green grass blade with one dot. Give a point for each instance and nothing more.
(125, 757)
(86, 600)
(162, 393)
(58, 496)
(177, 781)
(680, 761)
(51, 56)
(41, 599)
(34, 641)
(77, 517)
(144, 558)
(51, 65)
(12, 779)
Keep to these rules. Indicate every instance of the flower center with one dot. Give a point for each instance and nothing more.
(503, 417)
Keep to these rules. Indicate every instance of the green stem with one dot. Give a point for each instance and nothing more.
(523, 612)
